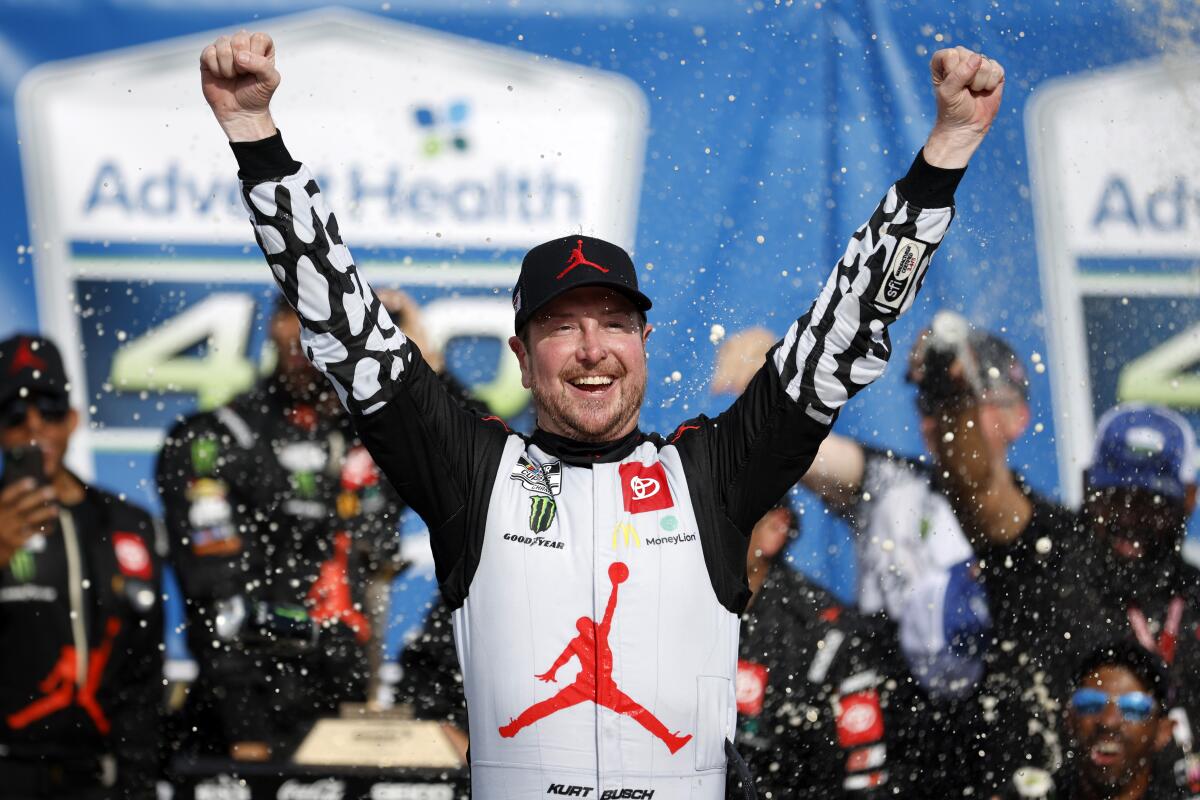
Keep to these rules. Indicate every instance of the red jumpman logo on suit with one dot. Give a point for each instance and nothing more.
(594, 681)
(576, 259)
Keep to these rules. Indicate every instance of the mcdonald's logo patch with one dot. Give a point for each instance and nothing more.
(626, 533)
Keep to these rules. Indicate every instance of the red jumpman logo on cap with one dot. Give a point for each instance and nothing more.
(576, 259)
(594, 681)
(24, 358)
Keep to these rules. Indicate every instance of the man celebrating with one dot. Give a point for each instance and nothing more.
(1117, 723)
(524, 530)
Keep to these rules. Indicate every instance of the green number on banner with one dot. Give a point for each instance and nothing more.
(1163, 375)
(153, 361)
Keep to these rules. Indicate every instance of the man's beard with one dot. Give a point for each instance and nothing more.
(582, 420)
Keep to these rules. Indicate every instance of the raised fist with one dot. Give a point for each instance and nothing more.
(238, 76)
(968, 87)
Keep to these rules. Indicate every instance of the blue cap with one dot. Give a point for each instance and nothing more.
(1143, 447)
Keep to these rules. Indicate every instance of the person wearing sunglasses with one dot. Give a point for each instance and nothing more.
(81, 625)
(1116, 724)
(1061, 581)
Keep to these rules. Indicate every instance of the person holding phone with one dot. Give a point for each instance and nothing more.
(81, 623)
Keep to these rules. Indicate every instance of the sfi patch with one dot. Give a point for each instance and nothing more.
(901, 274)
(132, 556)
(751, 687)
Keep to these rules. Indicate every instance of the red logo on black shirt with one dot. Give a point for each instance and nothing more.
(860, 719)
(751, 687)
(644, 488)
(132, 556)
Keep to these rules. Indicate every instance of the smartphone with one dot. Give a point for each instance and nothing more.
(21, 463)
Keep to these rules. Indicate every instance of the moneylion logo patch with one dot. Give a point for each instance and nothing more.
(541, 513)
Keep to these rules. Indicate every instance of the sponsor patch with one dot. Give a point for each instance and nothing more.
(857, 783)
(324, 789)
(627, 533)
(859, 719)
(901, 273)
(222, 788)
(644, 487)
(22, 566)
(865, 758)
(359, 470)
(539, 478)
(533, 541)
(205, 453)
(132, 556)
(411, 791)
(542, 512)
(751, 687)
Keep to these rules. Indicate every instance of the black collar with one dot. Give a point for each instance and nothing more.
(584, 454)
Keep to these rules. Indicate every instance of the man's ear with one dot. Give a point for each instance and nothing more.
(1189, 498)
(72, 422)
(647, 329)
(518, 347)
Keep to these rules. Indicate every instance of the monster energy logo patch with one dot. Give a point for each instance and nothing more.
(22, 566)
(543, 479)
(541, 513)
(204, 456)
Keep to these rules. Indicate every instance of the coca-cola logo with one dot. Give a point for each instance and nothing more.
(222, 788)
(324, 789)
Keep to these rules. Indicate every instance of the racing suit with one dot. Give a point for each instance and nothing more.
(596, 588)
(81, 672)
(274, 510)
(811, 695)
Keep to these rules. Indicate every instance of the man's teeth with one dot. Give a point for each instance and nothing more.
(592, 380)
(1107, 748)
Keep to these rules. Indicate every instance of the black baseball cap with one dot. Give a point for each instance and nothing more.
(32, 363)
(1149, 667)
(560, 265)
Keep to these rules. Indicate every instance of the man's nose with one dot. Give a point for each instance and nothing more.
(1110, 717)
(591, 346)
(33, 423)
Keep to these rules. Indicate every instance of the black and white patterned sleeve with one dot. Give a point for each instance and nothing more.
(841, 344)
(346, 332)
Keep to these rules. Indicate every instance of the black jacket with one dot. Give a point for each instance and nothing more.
(273, 506)
(81, 636)
(811, 720)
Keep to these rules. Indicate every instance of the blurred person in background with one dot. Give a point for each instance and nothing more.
(904, 529)
(962, 714)
(1116, 726)
(1060, 581)
(278, 517)
(811, 693)
(81, 626)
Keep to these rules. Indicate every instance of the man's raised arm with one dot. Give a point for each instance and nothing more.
(347, 334)
(430, 448)
(762, 445)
